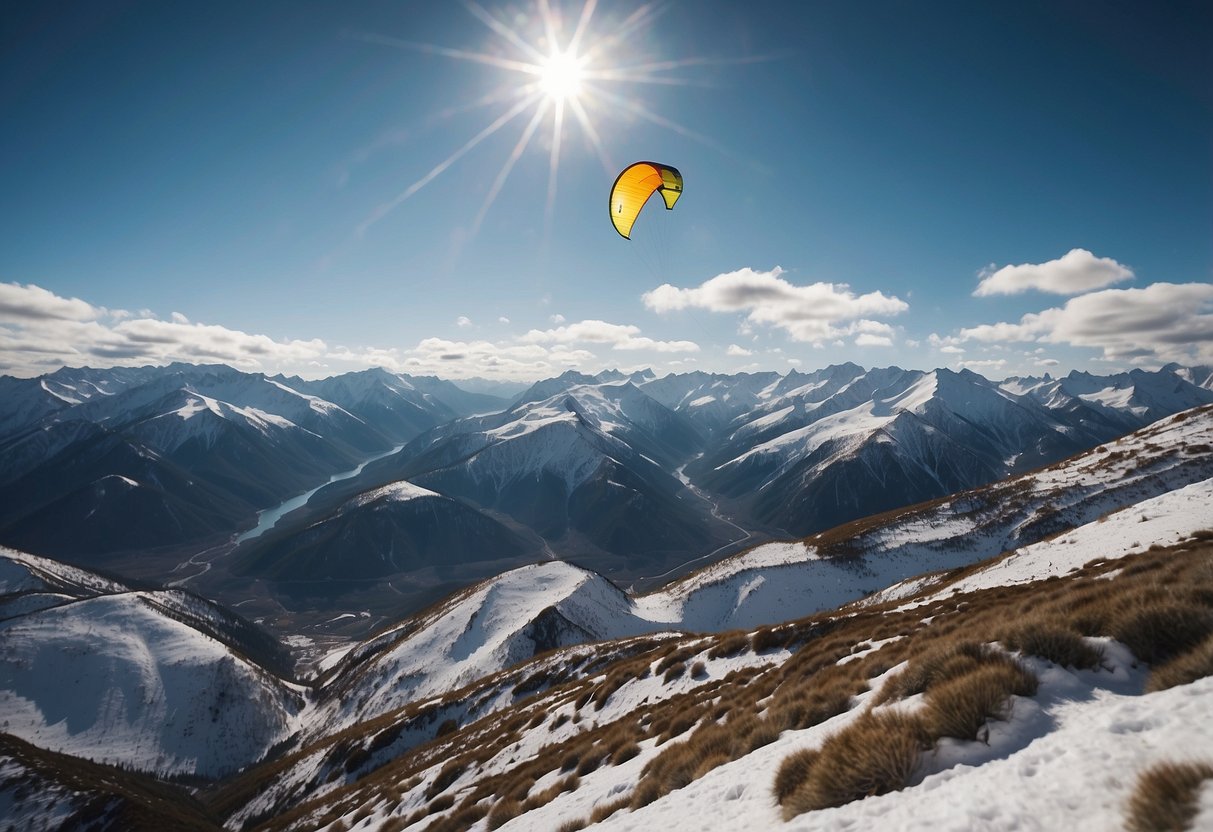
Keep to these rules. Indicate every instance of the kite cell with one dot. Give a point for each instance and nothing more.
(633, 188)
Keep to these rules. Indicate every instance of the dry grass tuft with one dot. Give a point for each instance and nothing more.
(1161, 631)
(505, 810)
(673, 672)
(935, 666)
(604, 810)
(1187, 667)
(729, 645)
(1166, 796)
(793, 771)
(961, 706)
(448, 775)
(572, 825)
(876, 754)
(1058, 644)
(625, 751)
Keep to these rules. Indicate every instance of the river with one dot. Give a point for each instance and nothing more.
(268, 518)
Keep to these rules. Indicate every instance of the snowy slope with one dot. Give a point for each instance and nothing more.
(1067, 759)
(159, 681)
(114, 680)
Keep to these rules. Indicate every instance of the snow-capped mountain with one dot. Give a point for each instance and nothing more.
(399, 406)
(588, 468)
(159, 681)
(630, 475)
(823, 448)
(193, 451)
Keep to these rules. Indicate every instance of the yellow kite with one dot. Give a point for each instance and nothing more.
(633, 188)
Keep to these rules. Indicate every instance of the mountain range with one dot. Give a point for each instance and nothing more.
(174, 473)
(548, 696)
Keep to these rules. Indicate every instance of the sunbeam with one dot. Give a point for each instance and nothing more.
(559, 75)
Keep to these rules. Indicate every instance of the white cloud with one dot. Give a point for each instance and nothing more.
(951, 350)
(1160, 323)
(618, 336)
(33, 303)
(40, 331)
(983, 364)
(557, 318)
(1073, 273)
(866, 340)
(736, 350)
(503, 320)
(463, 321)
(1047, 362)
(807, 313)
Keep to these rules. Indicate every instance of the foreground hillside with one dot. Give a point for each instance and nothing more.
(955, 704)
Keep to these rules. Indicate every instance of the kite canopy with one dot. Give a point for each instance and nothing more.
(633, 188)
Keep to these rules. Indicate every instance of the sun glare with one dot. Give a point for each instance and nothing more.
(560, 77)
(562, 73)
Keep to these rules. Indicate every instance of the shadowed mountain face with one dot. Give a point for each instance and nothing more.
(395, 529)
(589, 468)
(94, 462)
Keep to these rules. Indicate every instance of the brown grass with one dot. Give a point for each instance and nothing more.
(729, 645)
(1057, 643)
(604, 810)
(1161, 631)
(937, 665)
(793, 771)
(876, 754)
(959, 707)
(1165, 797)
(1187, 667)
(505, 810)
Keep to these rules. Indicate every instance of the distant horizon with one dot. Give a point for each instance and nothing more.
(524, 382)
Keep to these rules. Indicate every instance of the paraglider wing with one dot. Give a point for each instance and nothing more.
(633, 188)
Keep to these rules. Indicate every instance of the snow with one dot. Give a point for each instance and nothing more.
(399, 492)
(114, 680)
(1066, 759)
(1163, 520)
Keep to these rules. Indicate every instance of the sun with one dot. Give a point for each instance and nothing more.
(560, 76)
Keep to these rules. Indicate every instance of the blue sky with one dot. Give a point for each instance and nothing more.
(222, 181)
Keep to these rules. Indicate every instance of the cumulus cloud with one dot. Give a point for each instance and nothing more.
(618, 336)
(40, 331)
(20, 304)
(1160, 323)
(734, 349)
(1073, 273)
(812, 313)
(503, 320)
(463, 321)
(865, 339)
